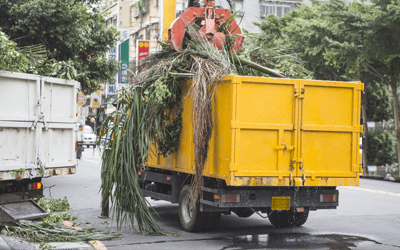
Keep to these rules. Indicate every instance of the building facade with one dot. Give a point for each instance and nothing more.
(150, 19)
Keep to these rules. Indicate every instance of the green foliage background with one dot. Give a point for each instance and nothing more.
(72, 33)
(381, 148)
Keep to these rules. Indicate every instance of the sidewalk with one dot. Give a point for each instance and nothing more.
(13, 243)
(380, 177)
(3, 244)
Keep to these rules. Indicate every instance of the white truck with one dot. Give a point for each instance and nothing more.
(38, 139)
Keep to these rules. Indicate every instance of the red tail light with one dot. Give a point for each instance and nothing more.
(328, 198)
(76, 146)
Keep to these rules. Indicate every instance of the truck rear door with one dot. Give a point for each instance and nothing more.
(295, 132)
(330, 129)
(264, 130)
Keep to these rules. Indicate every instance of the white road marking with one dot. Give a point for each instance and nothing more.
(372, 191)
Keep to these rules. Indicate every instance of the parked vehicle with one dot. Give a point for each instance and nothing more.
(89, 137)
(279, 146)
(37, 139)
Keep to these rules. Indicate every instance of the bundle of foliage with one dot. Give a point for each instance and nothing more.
(43, 232)
(47, 230)
(271, 51)
(72, 33)
(151, 112)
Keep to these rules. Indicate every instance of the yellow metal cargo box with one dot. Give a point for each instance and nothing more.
(276, 132)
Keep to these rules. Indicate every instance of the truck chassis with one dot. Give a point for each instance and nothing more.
(217, 198)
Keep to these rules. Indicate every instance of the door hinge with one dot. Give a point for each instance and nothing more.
(299, 92)
(301, 164)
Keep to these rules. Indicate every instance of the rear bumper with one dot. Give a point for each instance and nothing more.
(262, 198)
(37, 173)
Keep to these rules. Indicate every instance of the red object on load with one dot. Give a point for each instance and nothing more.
(213, 18)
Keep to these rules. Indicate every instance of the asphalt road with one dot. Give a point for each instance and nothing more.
(368, 217)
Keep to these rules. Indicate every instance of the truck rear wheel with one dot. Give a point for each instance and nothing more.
(192, 220)
(288, 218)
(243, 212)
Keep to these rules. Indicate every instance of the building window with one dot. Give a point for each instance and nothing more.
(148, 33)
(180, 7)
(238, 5)
(136, 11)
(276, 8)
(154, 30)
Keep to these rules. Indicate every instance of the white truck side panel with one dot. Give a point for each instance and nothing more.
(38, 126)
(26, 97)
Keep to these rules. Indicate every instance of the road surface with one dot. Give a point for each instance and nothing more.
(368, 217)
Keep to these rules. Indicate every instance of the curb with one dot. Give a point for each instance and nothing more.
(66, 245)
(380, 178)
(3, 244)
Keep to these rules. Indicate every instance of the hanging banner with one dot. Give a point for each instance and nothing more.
(124, 60)
(81, 99)
(96, 99)
(142, 51)
(112, 85)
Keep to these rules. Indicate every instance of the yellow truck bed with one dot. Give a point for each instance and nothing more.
(276, 132)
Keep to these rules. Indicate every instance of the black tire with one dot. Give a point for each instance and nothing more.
(88, 146)
(288, 218)
(213, 219)
(244, 212)
(301, 218)
(192, 220)
(79, 154)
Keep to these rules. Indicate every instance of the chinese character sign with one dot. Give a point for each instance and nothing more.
(112, 53)
(124, 59)
(142, 51)
(124, 35)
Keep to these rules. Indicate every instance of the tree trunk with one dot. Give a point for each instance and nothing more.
(393, 86)
(364, 139)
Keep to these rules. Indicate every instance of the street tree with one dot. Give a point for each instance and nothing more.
(371, 43)
(10, 58)
(71, 31)
(382, 148)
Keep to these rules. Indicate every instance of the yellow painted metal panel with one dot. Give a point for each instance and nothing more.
(219, 154)
(276, 132)
(328, 152)
(168, 16)
(265, 103)
(330, 129)
(328, 106)
(264, 127)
